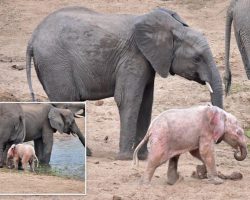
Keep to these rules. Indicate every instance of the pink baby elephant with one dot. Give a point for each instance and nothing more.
(23, 152)
(195, 129)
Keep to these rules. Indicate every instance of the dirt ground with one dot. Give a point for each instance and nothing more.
(29, 183)
(108, 178)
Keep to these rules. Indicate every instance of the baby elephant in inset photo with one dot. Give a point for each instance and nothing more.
(193, 130)
(24, 153)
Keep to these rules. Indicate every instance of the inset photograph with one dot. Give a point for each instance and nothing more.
(42, 148)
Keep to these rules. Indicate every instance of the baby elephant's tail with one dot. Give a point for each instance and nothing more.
(135, 156)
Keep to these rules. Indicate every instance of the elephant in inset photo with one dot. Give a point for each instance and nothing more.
(87, 55)
(12, 128)
(238, 14)
(42, 121)
(172, 133)
(24, 153)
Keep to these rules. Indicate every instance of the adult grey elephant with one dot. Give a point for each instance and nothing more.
(42, 121)
(82, 55)
(12, 127)
(238, 13)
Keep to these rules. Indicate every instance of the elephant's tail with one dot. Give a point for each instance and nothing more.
(228, 76)
(135, 156)
(29, 55)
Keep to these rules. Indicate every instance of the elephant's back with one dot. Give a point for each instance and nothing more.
(76, 21)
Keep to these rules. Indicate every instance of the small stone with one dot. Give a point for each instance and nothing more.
(97, 162)
(18, 67)
(106, 139)
(115, 197)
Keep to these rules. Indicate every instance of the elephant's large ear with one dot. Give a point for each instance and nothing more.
(56, 120)
(155, 40)
(19, 133)
(216, 119)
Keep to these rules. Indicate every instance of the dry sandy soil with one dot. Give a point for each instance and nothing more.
(29, 183)
(108, 178)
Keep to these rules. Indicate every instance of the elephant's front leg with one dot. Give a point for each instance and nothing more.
(47, 147)
(207, 155)
(128, 96)
(144, 118)
(172, 174)
(38, 144)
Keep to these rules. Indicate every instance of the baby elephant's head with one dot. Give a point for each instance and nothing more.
(226, 127)
(11, 151)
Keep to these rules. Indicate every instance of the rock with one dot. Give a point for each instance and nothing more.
(97, 162)
(115, 197)
(234, 176)
(106, 139)
(18, 67)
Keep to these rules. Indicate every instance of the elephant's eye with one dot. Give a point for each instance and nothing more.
(197, 59)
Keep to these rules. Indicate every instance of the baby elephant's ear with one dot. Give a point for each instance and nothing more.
(216, 118)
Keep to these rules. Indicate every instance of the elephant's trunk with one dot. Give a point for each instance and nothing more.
(76, 131)
(243, 153)
(227, 76)
(216, 84)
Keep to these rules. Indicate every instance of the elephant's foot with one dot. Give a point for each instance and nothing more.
(1, 165)
(89, 153)
(174, 178)
(124, 156)
(215, 180)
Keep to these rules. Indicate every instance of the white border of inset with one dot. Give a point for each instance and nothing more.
(85, 134)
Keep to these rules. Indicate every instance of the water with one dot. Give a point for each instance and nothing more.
(68, 157)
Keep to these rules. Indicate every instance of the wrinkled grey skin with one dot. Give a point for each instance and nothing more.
(77, 108)
(82, 55)
(238, 13)
(42, 121)
(12, 128)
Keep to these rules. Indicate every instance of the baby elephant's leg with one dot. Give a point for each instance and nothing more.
(25, 161)
(201, 171)
(172, 174)
(156, 157)
(16, 161)
(207, 155)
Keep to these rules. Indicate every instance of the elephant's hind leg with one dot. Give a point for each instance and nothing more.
(59, 83)
(172, 173)
(156, 158)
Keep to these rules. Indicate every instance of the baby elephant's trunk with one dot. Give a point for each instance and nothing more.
(243, 153)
